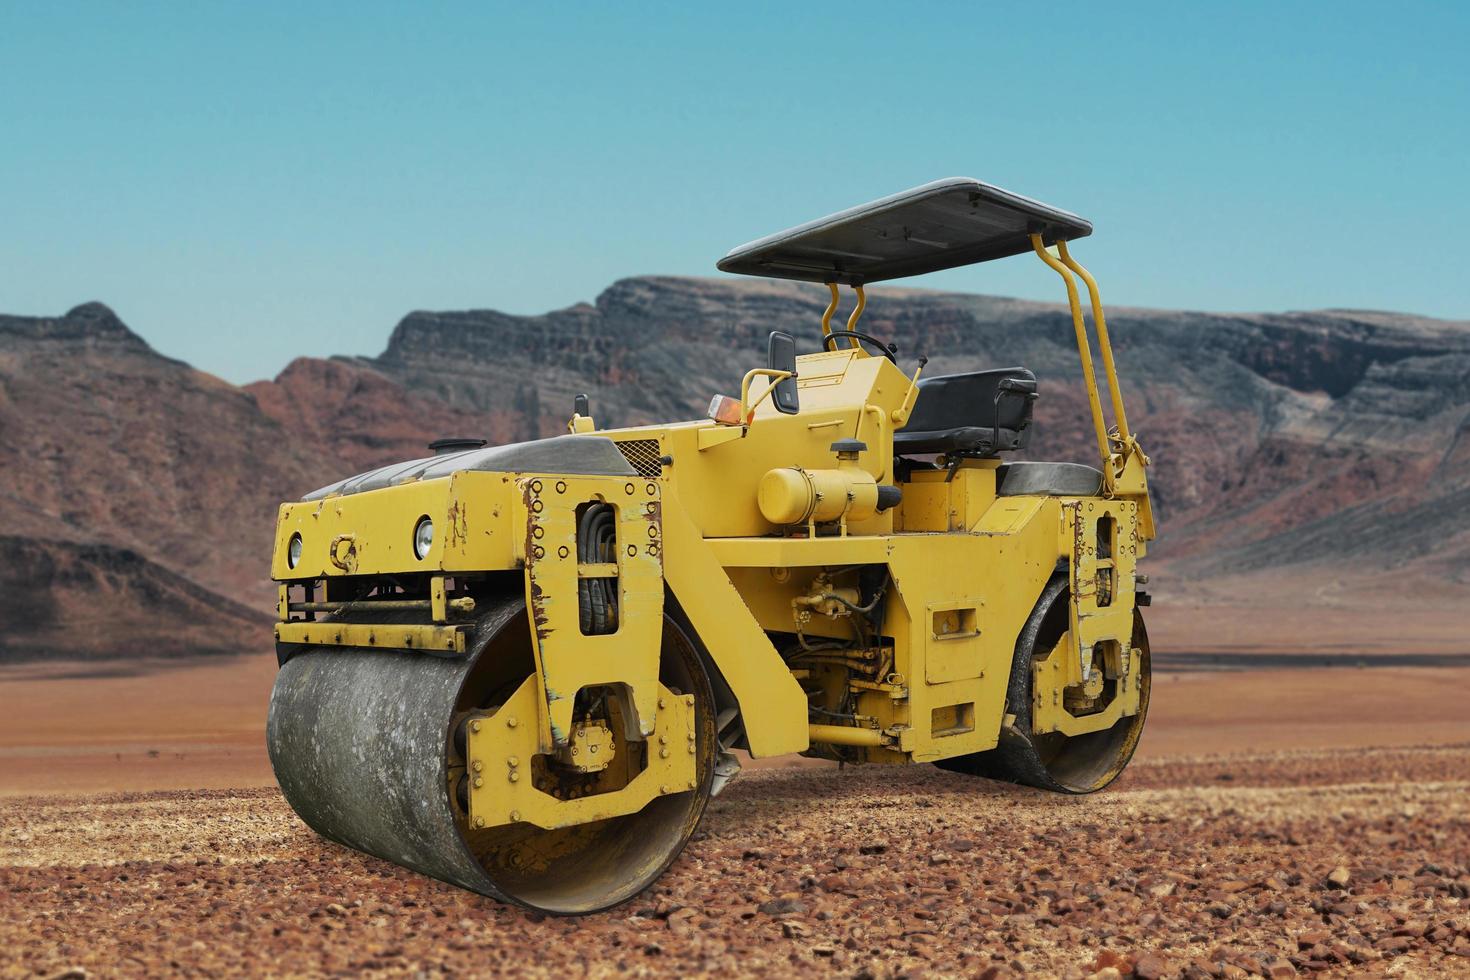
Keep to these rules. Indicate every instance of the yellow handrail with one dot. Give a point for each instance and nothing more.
(1084, 350)
(827, 316)
(1104, 345)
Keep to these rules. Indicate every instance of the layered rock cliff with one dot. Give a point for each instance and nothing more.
(1326, 440)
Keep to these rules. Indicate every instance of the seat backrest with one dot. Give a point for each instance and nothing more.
(999, 399)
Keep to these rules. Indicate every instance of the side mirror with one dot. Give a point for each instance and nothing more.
(781, 356)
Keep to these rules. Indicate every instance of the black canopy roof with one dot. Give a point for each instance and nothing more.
(939, 225)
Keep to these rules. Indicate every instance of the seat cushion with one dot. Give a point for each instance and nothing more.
(964, 439)
(1048, 480)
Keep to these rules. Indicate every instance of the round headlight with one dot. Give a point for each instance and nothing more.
(293, 551)
(423, 538)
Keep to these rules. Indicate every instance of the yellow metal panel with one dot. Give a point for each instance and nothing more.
(1007, 514)
(772, 702)
(796, 552)
(935, 501)
(371, 533)
(937, 571)
(714, 435)
(952, 650)
(568, 660)
(502, 786)
(925, 505)
(388, 637)
(977, 482)
(822, 370)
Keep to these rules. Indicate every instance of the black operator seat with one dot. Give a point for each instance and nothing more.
(975, 415)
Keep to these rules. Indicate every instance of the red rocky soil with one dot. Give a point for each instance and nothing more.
(1330, 862)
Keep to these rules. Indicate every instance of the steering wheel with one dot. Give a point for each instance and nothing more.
(890, 351)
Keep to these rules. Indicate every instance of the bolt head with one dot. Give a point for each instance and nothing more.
(660, 702)
(474, 726)
(514, 776)
(663, 791)
(479, 821)
(510, 723)
(478, 765)
(479, 782)
(663, 753)
(515, 816)
(513, 762)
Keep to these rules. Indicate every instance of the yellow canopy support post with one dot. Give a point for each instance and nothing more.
(1104, 345)
(1084, 350)
(827, 316)
(857, 311)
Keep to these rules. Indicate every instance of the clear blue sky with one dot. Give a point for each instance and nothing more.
(246, 183)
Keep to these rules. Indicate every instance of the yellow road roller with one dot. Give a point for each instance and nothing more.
(525, 669)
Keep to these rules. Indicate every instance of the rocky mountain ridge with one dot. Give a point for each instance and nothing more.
(1332, 439)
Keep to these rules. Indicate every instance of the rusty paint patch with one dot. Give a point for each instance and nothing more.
(540, 622)
(459, 524)
(347, 561)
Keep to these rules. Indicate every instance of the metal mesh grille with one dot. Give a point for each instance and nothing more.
(643, 456)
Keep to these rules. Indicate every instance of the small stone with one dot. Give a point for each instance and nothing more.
(1339, 877)
(1150, 966)
(782, 906)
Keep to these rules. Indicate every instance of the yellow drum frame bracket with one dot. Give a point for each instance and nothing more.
(500, 747)
(1049, 678)
(1091, 619)
(567, 660)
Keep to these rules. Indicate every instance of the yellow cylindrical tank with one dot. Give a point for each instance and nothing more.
(792, 495)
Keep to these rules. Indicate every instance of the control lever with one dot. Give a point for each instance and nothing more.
(906, 407)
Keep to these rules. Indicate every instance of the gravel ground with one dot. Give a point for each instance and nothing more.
(1333, 862)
